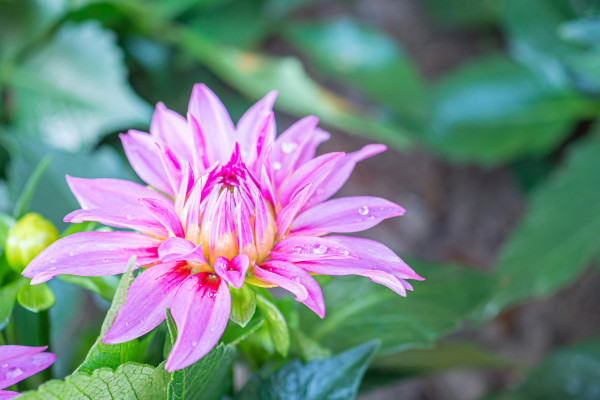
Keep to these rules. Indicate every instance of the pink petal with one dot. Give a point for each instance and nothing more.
(289, 146)
(302, 248)
(338, 177)
(313, 172)
(376, 261)
(17, 368)
(267, 187)
(286, 215)
(164, 213)
(92, 254)
(142, 154)
(123, 217)
(9, 352)
(7, 395)
(346, 214)
(109, 193)
(234, 271)
(295, 280)
(179, 249)
(214, 121)
(317, 137)
(172, 129)
(253, 121)
(147, 298)
(201, 311)
(171, 166)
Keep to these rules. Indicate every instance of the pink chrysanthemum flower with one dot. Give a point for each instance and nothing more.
(231, 204)
(20, 362)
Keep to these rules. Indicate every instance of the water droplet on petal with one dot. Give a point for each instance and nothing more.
(71, 253)
(364, 210)
(129, 217)
(345, 252)
(276, 165)
(105, 260)
(319, 249)
(295, 278)
(288, 147)
(51, 268)
(126, 324)
(212, 295)
(13, 373)
(297, 249)
(194, 343)
(4, 365)
(53, 261)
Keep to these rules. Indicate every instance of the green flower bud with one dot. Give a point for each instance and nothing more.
(27, 238)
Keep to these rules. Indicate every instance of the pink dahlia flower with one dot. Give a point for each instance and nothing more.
(20, 362)
(226, 205)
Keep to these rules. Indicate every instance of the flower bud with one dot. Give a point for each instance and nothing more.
(27, 238)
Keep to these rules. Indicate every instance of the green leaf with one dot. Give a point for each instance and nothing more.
(105, 286)
(36, 298)
(243, 305)
(8, 297)
(558, 236)
(22, 203)
(275, 322)
(235, 334)
(359, 310)
(494, 110)
(74, 90)
(567, 374)
(465, 14)
(128, 381)
(54, 198)
(208, 378)
(366, 58)
(336, 377)
(112, 355)
(255, 75)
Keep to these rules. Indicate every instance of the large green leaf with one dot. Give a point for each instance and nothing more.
(53, 198)
(128, 382)
(567, 374)
(370, 311)
(558, 236)
(8, 297)
(74, 90)
(255, 75)
(331, 378)
(494, 110)
(365, 58)
(112, 355)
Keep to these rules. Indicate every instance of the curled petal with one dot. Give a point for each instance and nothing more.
(346, 214)
(340, 174)
(295, 280)
(129, 217)
(92, 254)
(286, 215)
(110, 193)
(201, 311)
(20, 362)
(289, 146)
(164, 213)
(234, 271)
(179, 249)
(147, 298)
(143, 156)
(313, 172)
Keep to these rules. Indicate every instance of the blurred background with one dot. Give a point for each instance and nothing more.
(489, 111)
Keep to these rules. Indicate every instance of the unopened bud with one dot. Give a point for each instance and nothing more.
(27, 238)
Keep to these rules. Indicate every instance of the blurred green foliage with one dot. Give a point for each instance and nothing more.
(75, 72)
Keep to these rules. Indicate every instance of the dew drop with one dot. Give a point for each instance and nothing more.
(4, 365)
(295, 278)
(129, 217)
(298, 249)
(276, 165)
(212, 295)
(345, 252)
(127, 324)
(53, 261)
(319, 249)
(364, 210)
(51, 268)
(71, 253)
(194, 343)
(13, 373)
(105, 260)
(288, 147)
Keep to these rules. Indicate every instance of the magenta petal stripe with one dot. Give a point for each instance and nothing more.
(20, 362)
